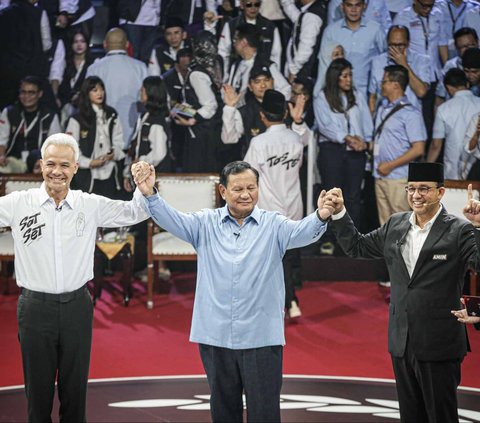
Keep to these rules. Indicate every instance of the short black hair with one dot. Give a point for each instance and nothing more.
(455, 77)
(250, 33)
(465, 31)
(234, 168)
(398, 73)
(399, 28)
(34, 80)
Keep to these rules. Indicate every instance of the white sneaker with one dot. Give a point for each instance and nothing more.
(164, 274)
(294, 310)
(385, 284)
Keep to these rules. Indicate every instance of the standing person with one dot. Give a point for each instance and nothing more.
(238, 316)
(399, 139)
(345, 127)
(123, 77)
(451, 122)
(329, 51)
(54, 230)
(427, 252)
(99, 133)
(277, 155)
(201, 93)
(150, 137)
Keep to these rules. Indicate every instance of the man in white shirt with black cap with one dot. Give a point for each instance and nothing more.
(54, 231)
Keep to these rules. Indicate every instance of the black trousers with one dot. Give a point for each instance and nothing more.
(427, 390)
(257, 372)
(55, 333)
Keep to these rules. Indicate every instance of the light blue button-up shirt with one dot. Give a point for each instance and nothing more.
(400, 131)
(240, 293)
(360, 46)
(420, 64)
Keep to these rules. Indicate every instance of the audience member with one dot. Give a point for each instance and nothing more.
(74, 15)
(417, 65)
(331, 50)
(375, 10)
(163, 57)
(345, 126)
(141, 25)
(277, 154)
(190, 12)
(270, 45)
(464, 38)
(98, 131)
(302, 49)
(469, 165)
(25, 125)
(361, 39)
(246, 42)
(471, 66)
(202, 98)
(399, 138)
(451, 121)
(25, 40)
(123, 78)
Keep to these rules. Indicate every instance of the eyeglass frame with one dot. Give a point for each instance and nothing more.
(422, 190)
(252, 4)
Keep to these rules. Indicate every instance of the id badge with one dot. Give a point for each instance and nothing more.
(376, 149)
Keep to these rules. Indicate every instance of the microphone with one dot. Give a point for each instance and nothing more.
(58, 208)
(237, 234)
(431, 204)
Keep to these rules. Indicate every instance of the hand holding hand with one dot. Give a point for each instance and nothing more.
(330, 203)
(144, 177)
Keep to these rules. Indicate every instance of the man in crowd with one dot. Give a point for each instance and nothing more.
(123, 77)
(24, 126)
(427, 252)
(451, 122)
(238, 317)
(54, 231)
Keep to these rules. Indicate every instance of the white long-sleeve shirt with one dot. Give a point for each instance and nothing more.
(54, 246)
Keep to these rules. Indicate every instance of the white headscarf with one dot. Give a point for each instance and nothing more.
(324, 60)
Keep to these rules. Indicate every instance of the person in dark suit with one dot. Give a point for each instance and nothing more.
(427, 252)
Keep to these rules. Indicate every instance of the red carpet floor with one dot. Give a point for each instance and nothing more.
(343, 332)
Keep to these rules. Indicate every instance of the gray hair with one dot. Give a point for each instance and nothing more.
(61, 139)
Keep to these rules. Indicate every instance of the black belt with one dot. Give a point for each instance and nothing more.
(64, 297)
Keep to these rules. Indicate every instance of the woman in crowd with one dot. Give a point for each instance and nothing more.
(77, 60)
(345, 126)
(150, 141)
(99, 134)
(201, 108)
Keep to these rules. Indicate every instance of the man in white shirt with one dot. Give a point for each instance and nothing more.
(54, 231)
(277, 154)
(451, 122)
(123, 77)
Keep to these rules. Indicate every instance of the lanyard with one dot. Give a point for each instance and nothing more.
(426, 31)
(27, 129)
(455, 18)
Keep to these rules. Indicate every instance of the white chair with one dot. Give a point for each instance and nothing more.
(187, 193)
(454, 201)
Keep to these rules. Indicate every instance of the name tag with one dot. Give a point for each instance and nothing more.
(439, 256)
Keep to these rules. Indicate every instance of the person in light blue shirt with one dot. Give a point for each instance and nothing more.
(360, 38)
(399, 139)
(238, 315)
(375, 10)
(345, 129)
(418, 66)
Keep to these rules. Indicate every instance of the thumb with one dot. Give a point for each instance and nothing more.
(469, 192)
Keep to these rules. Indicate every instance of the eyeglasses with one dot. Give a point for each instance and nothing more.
(399, 45)
(257, 5)
(426, 6)
(28, 92)
(422, 190)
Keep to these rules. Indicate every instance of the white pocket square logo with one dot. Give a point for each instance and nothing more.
(439, 256)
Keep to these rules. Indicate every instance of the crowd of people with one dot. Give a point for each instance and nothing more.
(242, 88)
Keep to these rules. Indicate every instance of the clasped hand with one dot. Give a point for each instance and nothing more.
(330, 202)
(144, 177)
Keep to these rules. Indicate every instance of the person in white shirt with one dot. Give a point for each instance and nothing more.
(54, 230)
(123, 77)
(451, 121)
(277, 155)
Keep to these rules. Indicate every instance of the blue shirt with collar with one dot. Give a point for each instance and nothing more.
(240, 292)
(401, 130)
(360, 45)
(419, 63)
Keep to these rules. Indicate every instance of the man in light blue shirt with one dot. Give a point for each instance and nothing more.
(238, 315)
(417, 65)
(375, 10)
(399, 139)
(360, 38)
